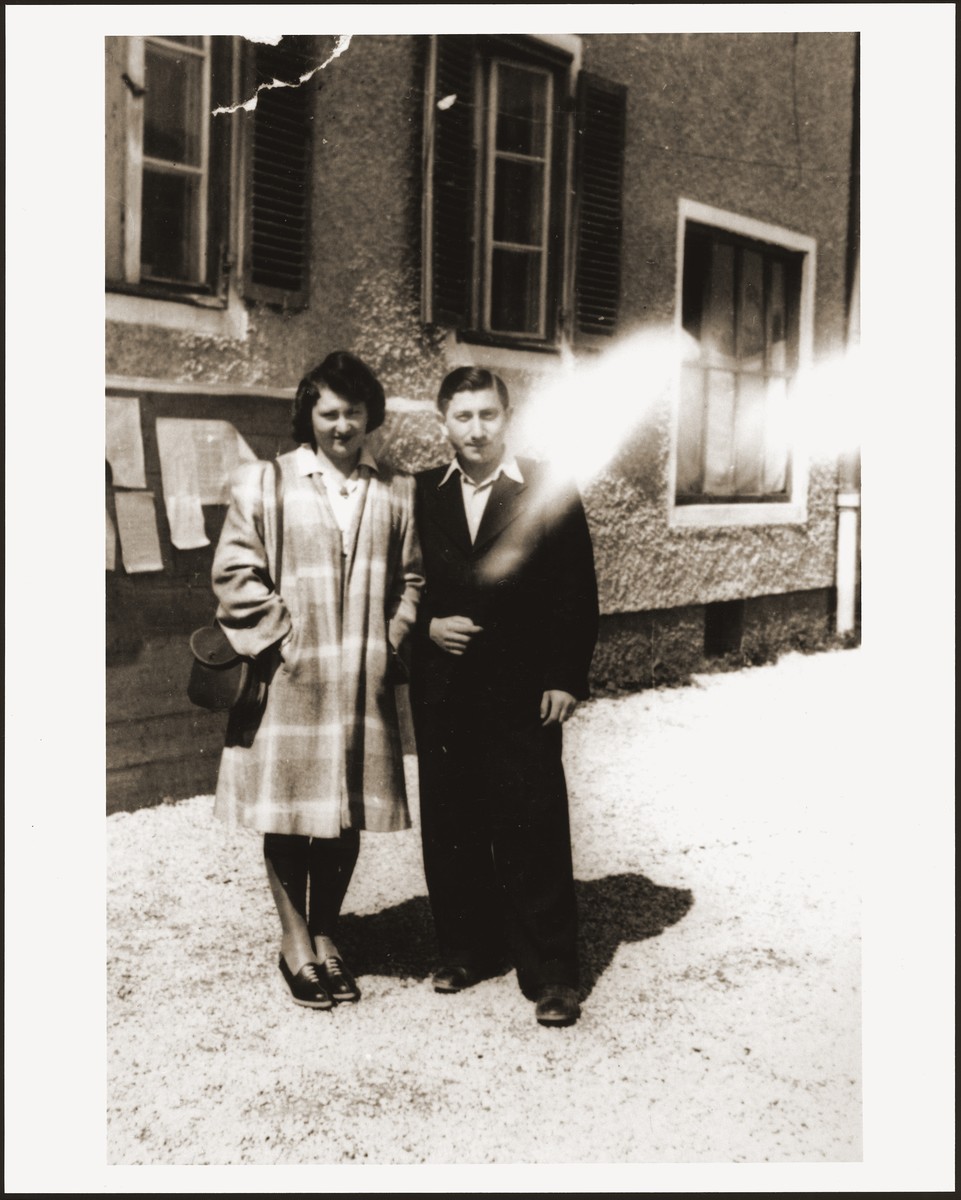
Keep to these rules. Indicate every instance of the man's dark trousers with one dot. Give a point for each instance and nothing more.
(497, 852)
(493, 798)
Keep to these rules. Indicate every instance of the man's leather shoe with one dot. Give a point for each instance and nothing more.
(455, 979)
(557, 1005)
(338, 980)
(306, 987)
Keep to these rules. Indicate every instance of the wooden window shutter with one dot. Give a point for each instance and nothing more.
(449, 180)
(601, 122)
(277, 254)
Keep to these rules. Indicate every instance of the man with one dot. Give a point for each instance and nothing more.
(505, 634)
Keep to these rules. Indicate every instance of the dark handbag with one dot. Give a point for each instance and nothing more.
(222, 680)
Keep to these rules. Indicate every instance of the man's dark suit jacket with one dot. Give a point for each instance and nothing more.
(528, 580)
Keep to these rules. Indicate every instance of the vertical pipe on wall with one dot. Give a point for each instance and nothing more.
(849, 507)
(849, 503)
(849, 465)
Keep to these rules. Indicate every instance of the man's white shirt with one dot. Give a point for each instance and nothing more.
(476, 495)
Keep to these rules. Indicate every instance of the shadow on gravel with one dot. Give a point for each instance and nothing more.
(619, 909)
(399, 941)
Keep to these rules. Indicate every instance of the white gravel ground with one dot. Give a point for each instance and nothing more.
(715, 848)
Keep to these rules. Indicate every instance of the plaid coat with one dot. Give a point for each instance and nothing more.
(326, 754)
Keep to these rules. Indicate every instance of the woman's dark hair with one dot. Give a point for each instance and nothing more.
(346, 376)
(471, 379)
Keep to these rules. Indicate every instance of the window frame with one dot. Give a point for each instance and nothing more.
(200, 251)
(489, 244)
(130, 294)
(774, 510)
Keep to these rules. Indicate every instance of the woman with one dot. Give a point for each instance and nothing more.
(323, 760)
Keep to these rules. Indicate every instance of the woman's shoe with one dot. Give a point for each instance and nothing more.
(307, 986)
(338, 980)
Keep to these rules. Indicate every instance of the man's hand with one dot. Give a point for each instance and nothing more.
(453, 634)
(557, 707)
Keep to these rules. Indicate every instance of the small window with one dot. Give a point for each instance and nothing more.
(740, 320)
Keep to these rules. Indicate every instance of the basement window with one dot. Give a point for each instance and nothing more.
(723, 628)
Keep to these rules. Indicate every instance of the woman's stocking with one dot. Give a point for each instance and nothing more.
(331, 865)
(286, 858)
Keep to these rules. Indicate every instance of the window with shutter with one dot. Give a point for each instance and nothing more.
(496, 230)
(601, 120)
(277, 243)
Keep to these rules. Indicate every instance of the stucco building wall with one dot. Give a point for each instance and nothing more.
(755, 124)
(758, 124)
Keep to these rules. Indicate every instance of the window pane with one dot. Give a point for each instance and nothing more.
(690, 431)
(172, 106)
(518, 202)
(697, 271)
(749, 435)
(792, 303)
(777, 320)
(169, 225)
(522, 110)
(515, 292)
(189, 39)
(750, 312)
(719, 433)
(776, 437)
(717, 330)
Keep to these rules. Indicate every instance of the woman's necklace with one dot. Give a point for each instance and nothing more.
(347, 484)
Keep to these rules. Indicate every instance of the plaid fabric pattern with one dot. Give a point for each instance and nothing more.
(326, 755)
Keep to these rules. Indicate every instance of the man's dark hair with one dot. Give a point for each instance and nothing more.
(347, 377)
(471, 379)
